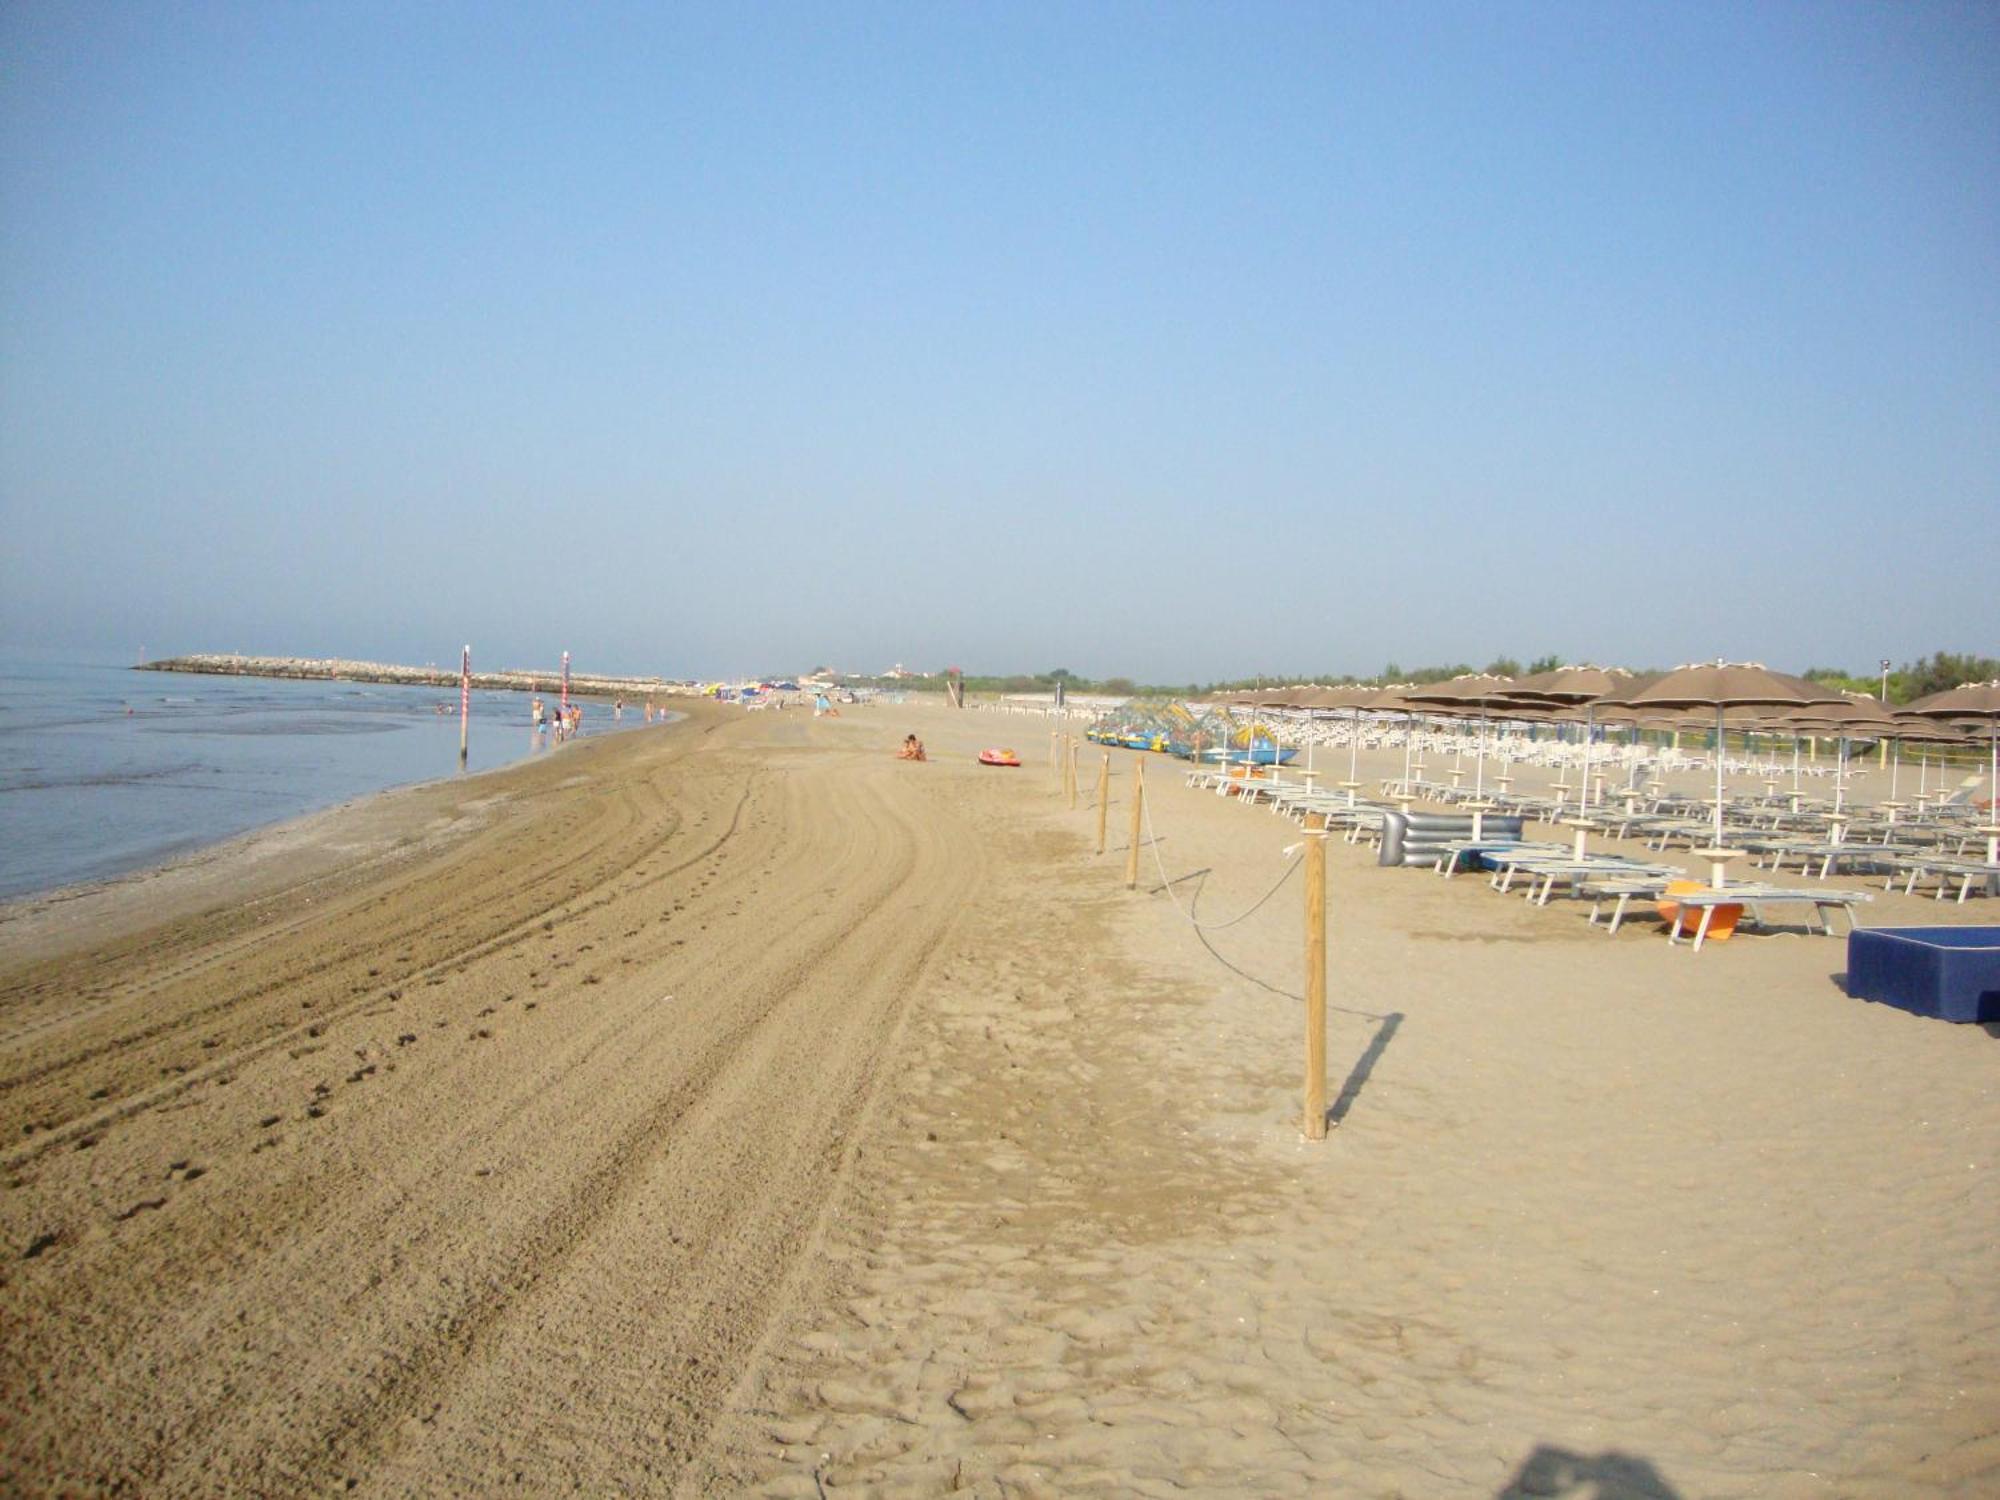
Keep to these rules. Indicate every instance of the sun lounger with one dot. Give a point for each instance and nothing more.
(1969, 875)
(1622, 891)
(1753, 899)
(1544, 873)
(1451, 855)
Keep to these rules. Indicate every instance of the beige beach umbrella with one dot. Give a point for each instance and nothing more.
(1305, 699)
(1721, 686)
(1572, 687)
(1465, 695)
(1975, 708)
(1390, 699)
(1350, 698)
(1925, 732)
(1855, 713)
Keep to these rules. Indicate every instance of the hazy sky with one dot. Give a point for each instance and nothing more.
(1180, 343)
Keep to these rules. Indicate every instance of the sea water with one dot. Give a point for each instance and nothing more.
(104, 769)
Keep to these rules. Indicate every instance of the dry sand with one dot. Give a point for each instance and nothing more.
(733, 1108)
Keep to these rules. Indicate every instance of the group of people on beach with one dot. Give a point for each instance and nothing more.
(567, 722)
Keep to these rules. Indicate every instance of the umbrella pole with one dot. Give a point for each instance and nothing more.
(1718, 788)
(1993, 792)
(1589, 740)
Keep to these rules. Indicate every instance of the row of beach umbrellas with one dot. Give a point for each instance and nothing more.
(1746, 693)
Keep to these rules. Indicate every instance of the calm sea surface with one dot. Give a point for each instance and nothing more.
(105, 770)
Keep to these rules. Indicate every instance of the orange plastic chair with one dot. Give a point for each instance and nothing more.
(1721, 923)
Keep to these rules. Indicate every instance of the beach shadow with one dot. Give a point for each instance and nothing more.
(1197, 876)
(1552, 1473)
(1357, 1076)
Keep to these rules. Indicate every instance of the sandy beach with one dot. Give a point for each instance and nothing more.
(732, 1108)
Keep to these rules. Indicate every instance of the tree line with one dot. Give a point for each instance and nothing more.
(1913, 680)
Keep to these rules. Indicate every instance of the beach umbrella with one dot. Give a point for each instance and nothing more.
(1463, 695)
(1974, 707)
(1925, 732)
(1855, 712)
(1350, 698)
(1390, 699)
(1304, 699)
(1721, 686)
(1572, 687)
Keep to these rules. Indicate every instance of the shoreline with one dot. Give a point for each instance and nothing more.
(356, 830)
(281, 796)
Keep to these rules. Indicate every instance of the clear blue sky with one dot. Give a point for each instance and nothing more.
(1180, 343)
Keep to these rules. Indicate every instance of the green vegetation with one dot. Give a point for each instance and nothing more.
(1913, 680)
(1932, 674)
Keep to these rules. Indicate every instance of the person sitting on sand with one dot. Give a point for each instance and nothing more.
(913, 749)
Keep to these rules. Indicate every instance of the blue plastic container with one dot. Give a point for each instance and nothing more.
(1952, 973)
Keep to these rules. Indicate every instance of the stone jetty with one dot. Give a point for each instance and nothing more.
(516, 679)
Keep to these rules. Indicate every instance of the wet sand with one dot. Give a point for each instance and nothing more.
(733, 1108)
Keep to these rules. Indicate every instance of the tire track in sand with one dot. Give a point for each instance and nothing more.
(415, 1320)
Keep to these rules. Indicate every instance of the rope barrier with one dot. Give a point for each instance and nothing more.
(1202, 929)
(1187, 912)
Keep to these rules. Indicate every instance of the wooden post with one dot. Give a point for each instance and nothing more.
(1055, 751)
(1103, 797)
(1072, 775)
(1315, 1110)
(1138, 812)
(464, 703)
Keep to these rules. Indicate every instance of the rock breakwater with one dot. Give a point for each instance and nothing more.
(339, 669)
